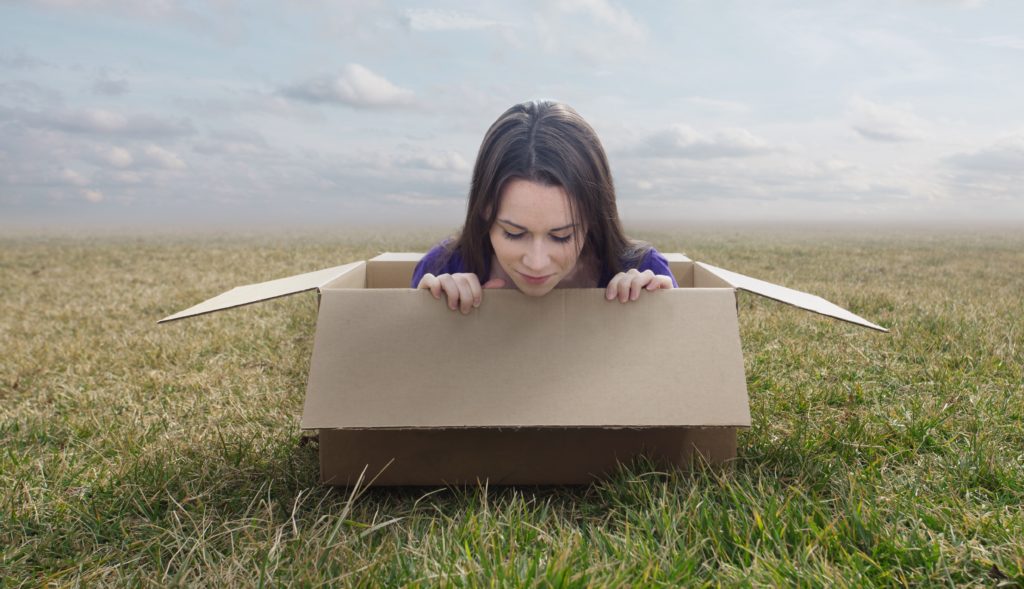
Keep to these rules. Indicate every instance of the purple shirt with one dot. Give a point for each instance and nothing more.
(437, 261)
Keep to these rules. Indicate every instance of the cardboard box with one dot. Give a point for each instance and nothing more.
(556, 389)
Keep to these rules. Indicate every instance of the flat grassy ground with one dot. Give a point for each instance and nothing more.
(145, 455)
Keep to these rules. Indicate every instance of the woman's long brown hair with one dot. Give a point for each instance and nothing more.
(548, 143)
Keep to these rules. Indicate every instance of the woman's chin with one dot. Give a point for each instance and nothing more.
(534, 290)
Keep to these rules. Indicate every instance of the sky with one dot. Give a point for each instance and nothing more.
(171, 113)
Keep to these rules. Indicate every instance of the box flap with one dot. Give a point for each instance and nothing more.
(254, 293)
(676, 257)
(789, 296)
(398, 358)
(682, 269)
(391, 270)
(398, 257)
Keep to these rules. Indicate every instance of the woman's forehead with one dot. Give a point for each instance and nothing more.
(535, 206)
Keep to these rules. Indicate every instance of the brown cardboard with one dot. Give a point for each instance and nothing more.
(264, 291)
(789, 296)
(501, 457)
(525, 390)
(373, 340)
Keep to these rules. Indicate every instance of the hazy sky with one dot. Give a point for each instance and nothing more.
(178, 113)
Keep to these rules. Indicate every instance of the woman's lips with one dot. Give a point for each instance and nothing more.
(535, 279)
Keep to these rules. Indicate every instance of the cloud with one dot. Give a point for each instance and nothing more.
(105, 122)
(74, 178)
(885, 123)
(246, 102)
(431, 20)
(18, 59)
(235, 143)
(159, 157)
(682, 141)
(1005, 157)
(604, 12)
(119, 157)
(26, 93)
(1002, 42)
(966, 3)
(92, 195)
(729, 107)
(157, 10)
(783, 184)
(419, 199)
(895, 56)
(149, 156)
(107, 85)
(356, 86)
(225, 20)
(596, 31)
(445, 161)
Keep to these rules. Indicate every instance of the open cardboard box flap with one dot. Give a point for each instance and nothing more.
(263, 291)
(789, 296)
(688, 273)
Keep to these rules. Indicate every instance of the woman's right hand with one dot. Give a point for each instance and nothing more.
(463, 289)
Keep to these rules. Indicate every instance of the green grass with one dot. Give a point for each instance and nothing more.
(145, 455)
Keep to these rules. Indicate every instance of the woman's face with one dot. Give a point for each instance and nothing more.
(534, 238)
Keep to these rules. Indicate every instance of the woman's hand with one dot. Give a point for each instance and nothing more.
(463, 289)
(626, 286)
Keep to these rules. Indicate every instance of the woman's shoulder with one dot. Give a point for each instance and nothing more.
(443, 258)
(439, 253)
(654, 261)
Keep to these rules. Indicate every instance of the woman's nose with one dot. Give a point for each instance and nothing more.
(536, 257)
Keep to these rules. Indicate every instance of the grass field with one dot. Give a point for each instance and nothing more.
(145, 455)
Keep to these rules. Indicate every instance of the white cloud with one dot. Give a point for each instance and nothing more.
(1006, 155)
(446, 161)
(604, 12)
(107, 122)
(891, 43)
(215, 129)
(26, 93)
(356, 86)
(106, 84)
(885, 123)
(993, 172)
(682, 141)
(91, 195)
(782, 184)
(119, 157)
(430, 20)
(235, 143)
(162, 158)
(424, 200)
(965, 4)
(596, 31)
(1002, 41)
(157, 8)
(18, 59)
(730, 107)
(74, 178)
(153, 10)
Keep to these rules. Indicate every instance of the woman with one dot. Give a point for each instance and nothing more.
(541, 215)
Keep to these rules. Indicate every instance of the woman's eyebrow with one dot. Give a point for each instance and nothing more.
(518, 226)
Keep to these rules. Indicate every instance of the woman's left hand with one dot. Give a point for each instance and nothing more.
(626, 286)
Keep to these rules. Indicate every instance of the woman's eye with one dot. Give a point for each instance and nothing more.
(562, 239)
(514, 235)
